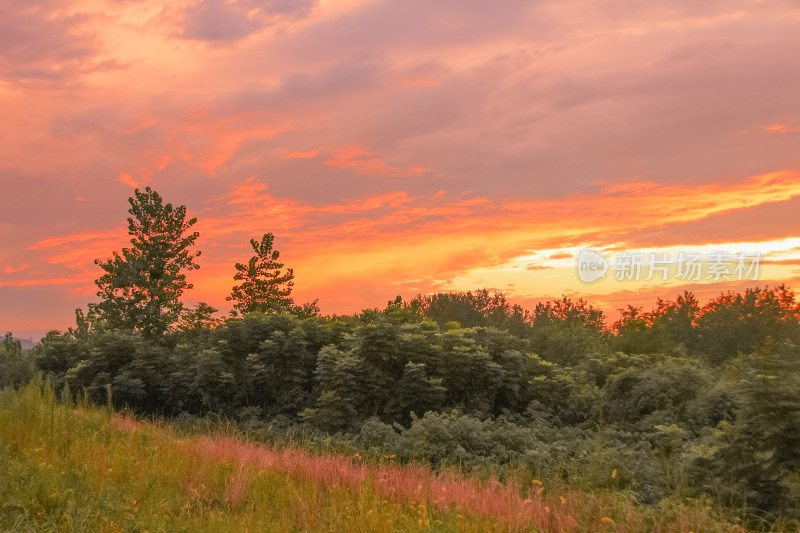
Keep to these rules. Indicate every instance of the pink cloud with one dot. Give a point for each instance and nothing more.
(226, 21)
(13, 270)
(781, 128)
(568, 123)
(311, 154)
(421, 81)
(356, 156)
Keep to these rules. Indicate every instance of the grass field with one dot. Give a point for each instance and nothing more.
(81, 468)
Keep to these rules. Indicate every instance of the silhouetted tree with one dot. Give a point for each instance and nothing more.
(736, 323)
(566, 331)
(472, 309)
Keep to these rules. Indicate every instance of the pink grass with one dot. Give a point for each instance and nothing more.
(508, 502)
(125, 423)
(409, 483)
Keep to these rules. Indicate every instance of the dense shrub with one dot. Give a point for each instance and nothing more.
(679, 400)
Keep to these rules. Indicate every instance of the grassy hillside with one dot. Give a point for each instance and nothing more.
(66, 467)
(79, 469)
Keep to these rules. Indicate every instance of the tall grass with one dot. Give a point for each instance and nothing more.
(68, 467)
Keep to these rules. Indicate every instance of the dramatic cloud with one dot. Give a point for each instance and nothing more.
(396, 147)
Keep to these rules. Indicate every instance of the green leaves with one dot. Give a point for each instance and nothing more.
(142, 285)
(757, 458)
(16, 368)
(736, 323)
(11, 346)
(264, 288)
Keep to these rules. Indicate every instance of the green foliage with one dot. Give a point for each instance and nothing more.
(616, 459)
(142, 285)
(566, 331)
(561, 396)
(668, 328)
(341, 382)
(659, 406)
(16, 367)
(416, 392)
(679, 401)
(133, 366)
(58, 353)
(568, 311)
(470, 375)
(740, 323)
(455, 438)
(474, 309)
(306, 310)
(11, 346)
(264, 288)
(655, 392)
(213, 381)
(68, 470)
(637, 332)
(199, 317)
(280, 373)
(754, 461)
(678, 319)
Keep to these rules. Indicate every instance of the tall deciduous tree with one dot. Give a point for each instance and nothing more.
(142, 286)
(264, 287)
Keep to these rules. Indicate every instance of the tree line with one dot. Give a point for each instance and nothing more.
(681, 400)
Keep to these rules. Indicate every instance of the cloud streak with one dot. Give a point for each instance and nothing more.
(410, 243)
(393, 147)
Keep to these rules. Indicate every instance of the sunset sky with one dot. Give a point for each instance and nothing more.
(399, 147)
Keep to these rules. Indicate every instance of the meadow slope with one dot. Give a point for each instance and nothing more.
(67, 467)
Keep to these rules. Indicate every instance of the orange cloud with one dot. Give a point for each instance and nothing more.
(388, 200)
(73, 280)
(55, 242)
(614, 210)
(195, 135)
(647, 204)
(169, 95)
(787, 262)
(311, 154)
(781, 128)
(431, 241)
(356, 156)
(12, 270)
(78, 251)
(209, 142)
(128, 180)
(397, 243)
